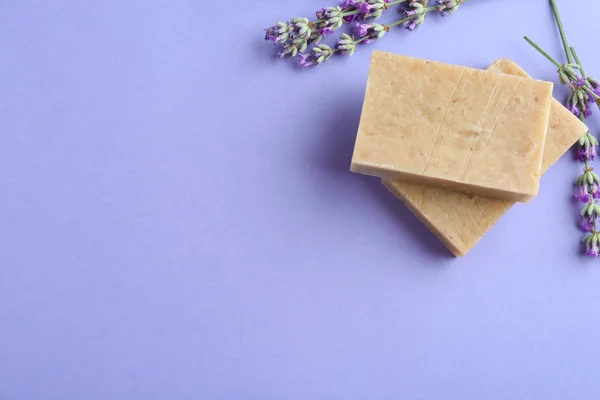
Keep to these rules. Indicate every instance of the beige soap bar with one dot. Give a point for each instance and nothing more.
(453, 127)
(460, 220)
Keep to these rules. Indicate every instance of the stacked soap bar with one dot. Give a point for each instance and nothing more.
(449, 126)
(459, 159)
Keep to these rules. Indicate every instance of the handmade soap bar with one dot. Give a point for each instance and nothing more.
(460, 220)
(453, 127)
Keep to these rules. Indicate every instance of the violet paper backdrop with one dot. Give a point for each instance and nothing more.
(178, 220)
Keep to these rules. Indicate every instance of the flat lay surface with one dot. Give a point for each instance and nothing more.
(179, 220)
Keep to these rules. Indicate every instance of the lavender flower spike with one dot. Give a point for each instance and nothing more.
(448, 6)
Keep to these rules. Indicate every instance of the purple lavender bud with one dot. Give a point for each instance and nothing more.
(411, 26)
(586, 225)
(587, 112)
(326, 31)
(348, 3)
(364, 8)
(581, 194)
(580, 82)
(574, 109)
(592, 250)
(322, 13)
(587, 152)
(362, 30)
(305, 60)
(591, 98)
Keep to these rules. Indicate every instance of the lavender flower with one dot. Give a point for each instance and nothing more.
(589, 180)
(316, 56)
(305, 60)
(586, 224)
(365, 10)
(291, 50)
(375, 32)
(346, 45)
(362, 29)
(448, 6)
(348, 3)
(587, 147)
(581, 194)
(326, 31)
(378, 7)
(591, 245)
(415, 14)
(334, 17)
(278, 33)
(301, 29)
(321, 13)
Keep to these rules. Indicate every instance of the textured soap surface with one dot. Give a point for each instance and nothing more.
(453, 127)
(460, 220)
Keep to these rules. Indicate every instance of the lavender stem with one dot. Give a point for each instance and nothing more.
(577, 61)
(542, 52)
(563, 36)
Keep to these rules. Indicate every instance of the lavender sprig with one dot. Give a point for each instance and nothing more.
(585, 91)
(296, 35)
(369, 33)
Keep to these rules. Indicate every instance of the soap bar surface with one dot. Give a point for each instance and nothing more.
(460, 220)
(453, 127)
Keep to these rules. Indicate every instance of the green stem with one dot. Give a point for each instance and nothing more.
(362, 39)
(542, 52)
(563, 37)
(400, 21)
(577, 61)
(350, 13)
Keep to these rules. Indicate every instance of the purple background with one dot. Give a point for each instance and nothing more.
(178, 220)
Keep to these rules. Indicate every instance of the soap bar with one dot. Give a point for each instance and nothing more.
(460, 220)
(458, 128)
